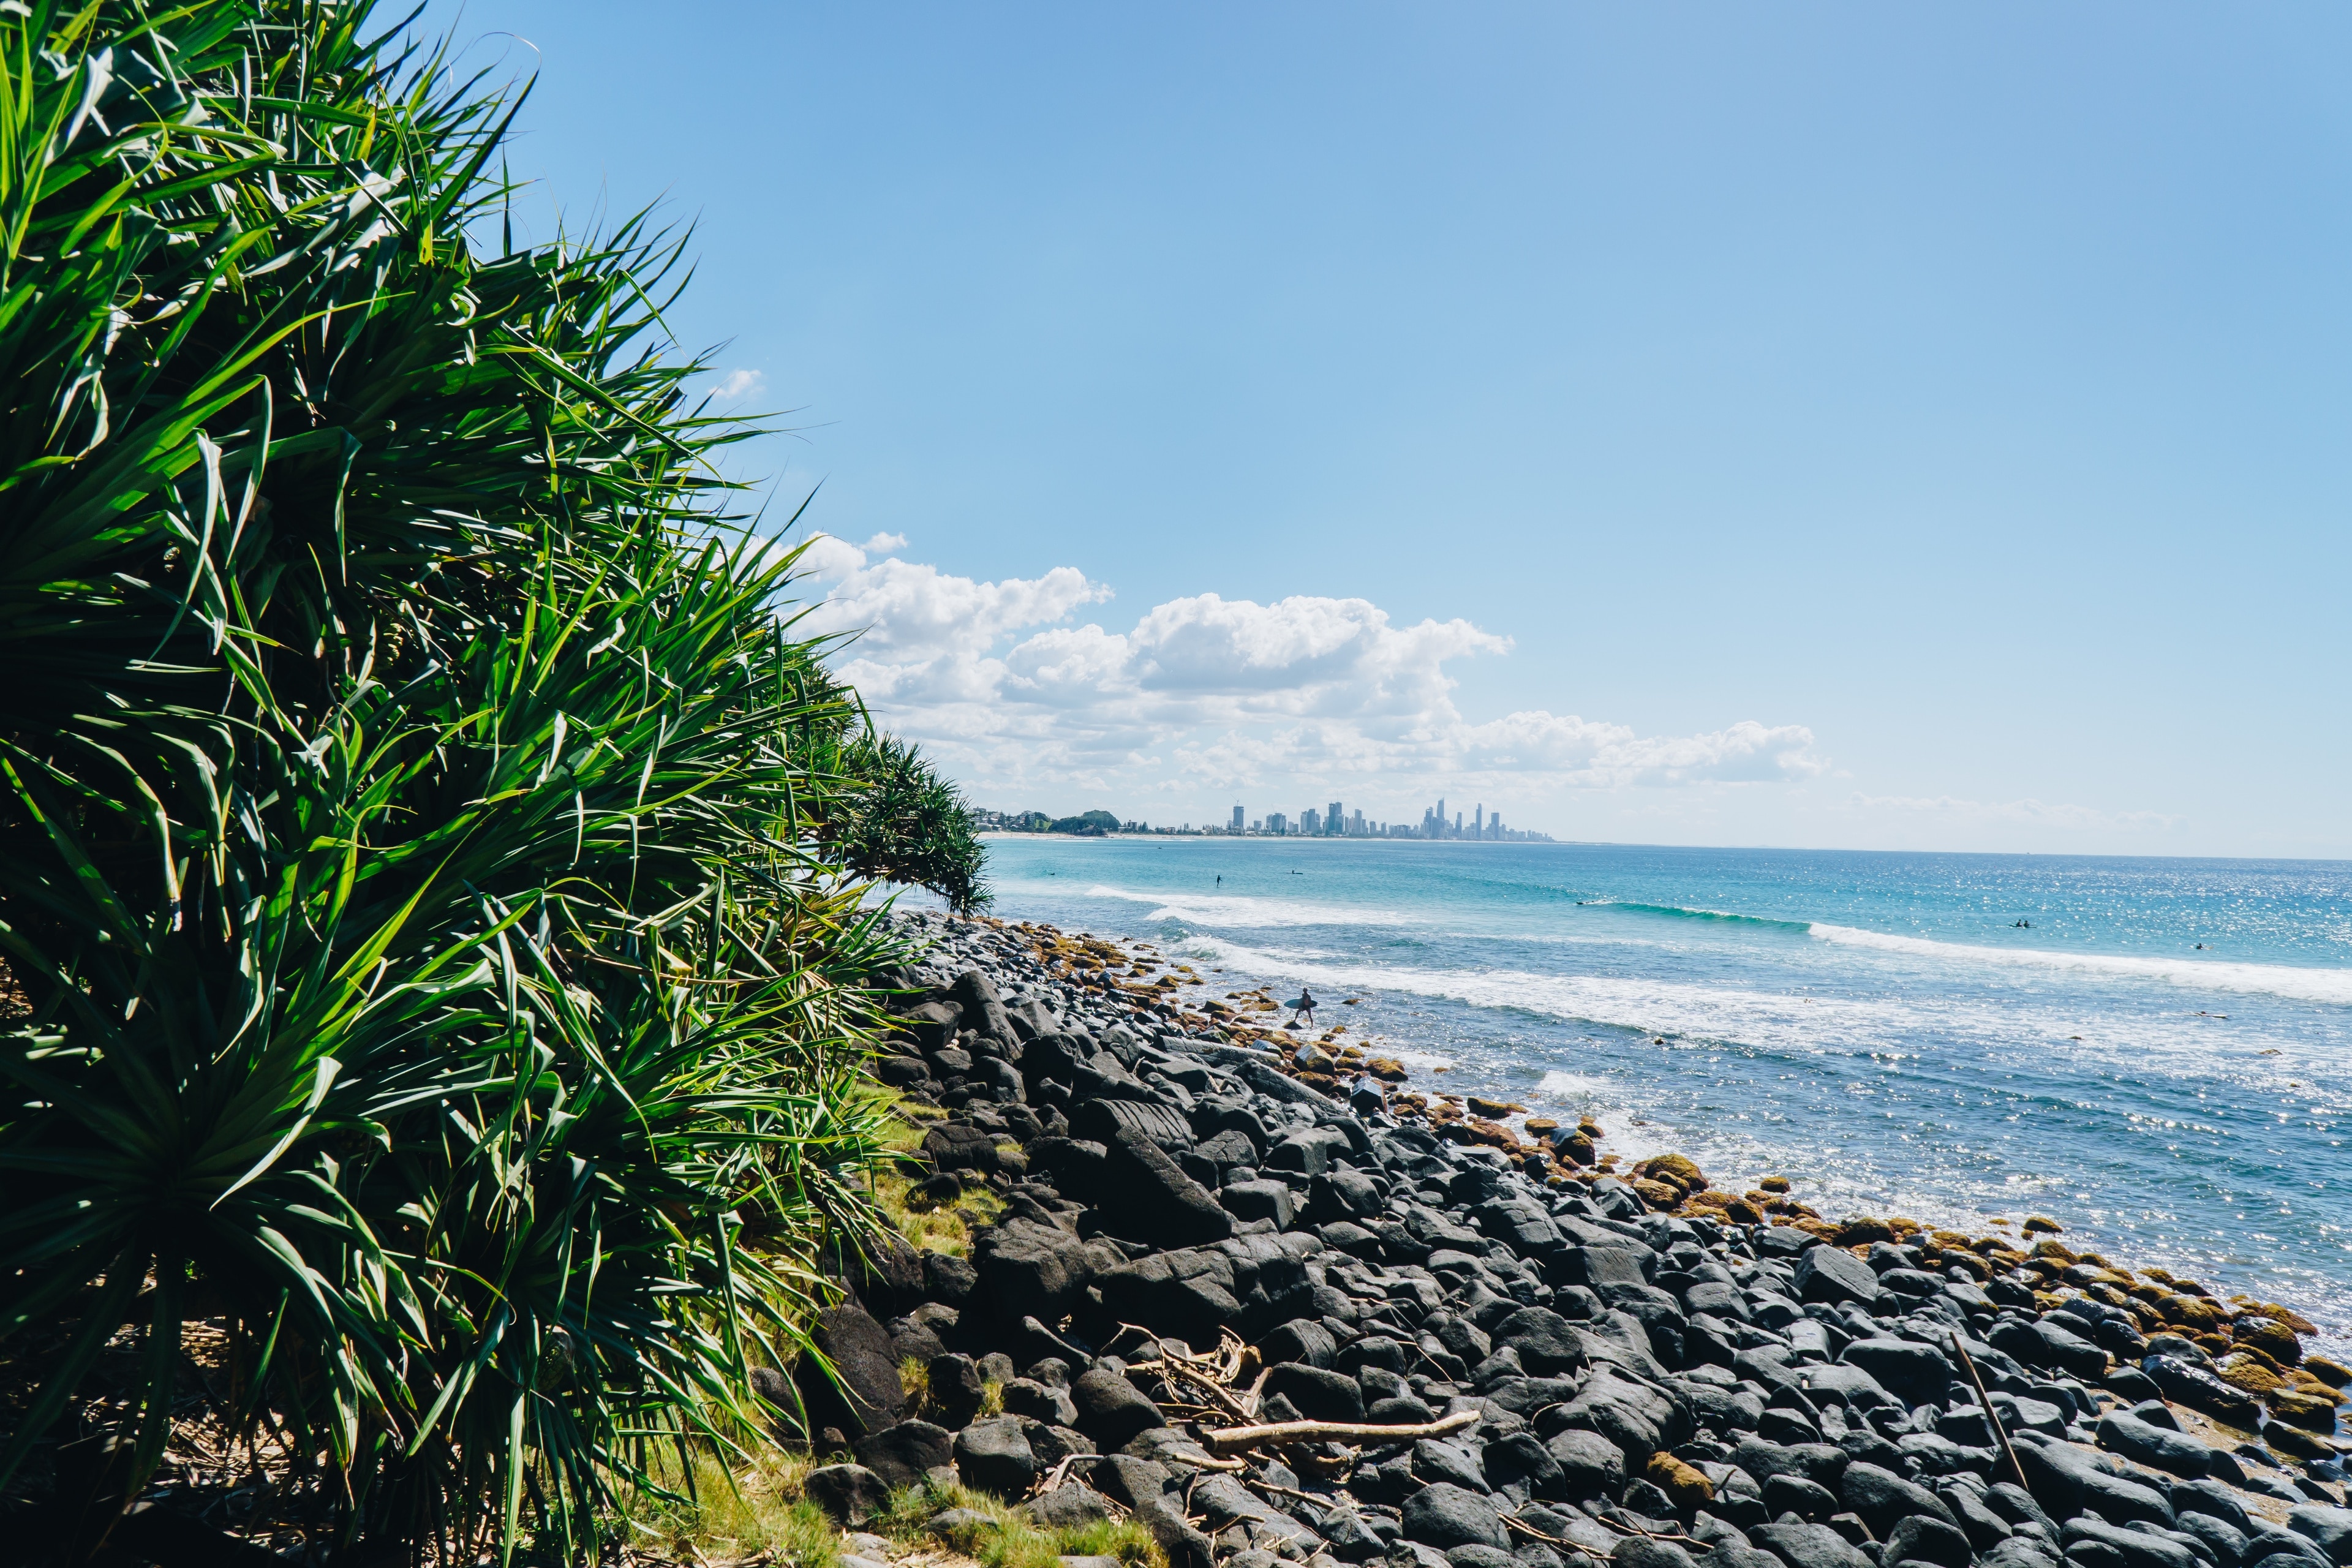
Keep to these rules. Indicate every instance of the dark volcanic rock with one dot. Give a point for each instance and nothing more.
(850, 1494)
(1446, 1515)
(1319, 1394)
(1883, 1499)
(1638, 1418)
(1833, 1275)
(2184, 1382)
(1922, 1538)
(992, 1455)
(1112, 1410)
(1809, 1545)
(1268, 1200)
(904, 1454)
(2330, 1529)
(1030, 1268)
(869, 1396)
(1147, 1195)
(1590, 1464)
(2156, 1447)
(1546, 1341)
(955, 1386)
(2067, 1479)
(1915, 1373)
(1303, 1340)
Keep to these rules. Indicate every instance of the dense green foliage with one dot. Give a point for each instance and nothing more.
(431, 868)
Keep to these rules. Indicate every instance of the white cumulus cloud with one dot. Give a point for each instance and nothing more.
(1008, 686)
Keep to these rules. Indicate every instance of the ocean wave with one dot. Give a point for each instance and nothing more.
(1676, 911)
(1243, 909)
(2333, 986)
(1694, 1014)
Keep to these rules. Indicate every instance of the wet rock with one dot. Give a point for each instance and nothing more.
(2184, 1382)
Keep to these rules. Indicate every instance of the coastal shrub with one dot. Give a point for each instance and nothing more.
(433, 872)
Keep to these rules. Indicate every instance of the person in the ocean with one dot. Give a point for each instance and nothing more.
(1304, 1007)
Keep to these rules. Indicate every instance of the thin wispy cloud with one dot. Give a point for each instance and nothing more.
(2027, 811)
(736, 385)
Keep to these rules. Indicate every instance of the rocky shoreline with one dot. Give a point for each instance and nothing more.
(1252, 1288)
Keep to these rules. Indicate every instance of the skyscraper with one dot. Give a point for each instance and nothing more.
(1334, 820)
(1311, 823)
(1237, 820)
(1441, 818)
(1478, 822)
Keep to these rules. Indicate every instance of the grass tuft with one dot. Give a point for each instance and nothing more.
(734, 1515)
(1005, 1538)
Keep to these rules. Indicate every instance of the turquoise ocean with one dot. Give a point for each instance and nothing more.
(2162, 1061)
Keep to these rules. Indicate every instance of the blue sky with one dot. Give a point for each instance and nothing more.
(1904, 427)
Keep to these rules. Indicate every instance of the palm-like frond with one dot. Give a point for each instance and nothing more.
(421, 841)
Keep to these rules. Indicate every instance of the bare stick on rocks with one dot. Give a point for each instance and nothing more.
(1991, 1416)
(1235, 1437)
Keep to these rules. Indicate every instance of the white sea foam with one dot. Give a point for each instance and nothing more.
(2333, 986)
(1704, 1017)
(1241, 909)
(1571, 1087)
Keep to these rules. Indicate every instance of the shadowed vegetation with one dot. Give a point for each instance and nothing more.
(433, 872)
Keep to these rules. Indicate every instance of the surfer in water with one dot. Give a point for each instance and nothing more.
(1303, 1008)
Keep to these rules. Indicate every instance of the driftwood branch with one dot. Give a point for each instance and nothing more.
(1234, 1438)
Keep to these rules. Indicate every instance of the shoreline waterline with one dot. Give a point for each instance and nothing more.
(2185, 1111)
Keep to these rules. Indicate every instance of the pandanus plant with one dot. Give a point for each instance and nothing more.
(433, 871)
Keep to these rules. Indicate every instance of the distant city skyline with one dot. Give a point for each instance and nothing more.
(1332, 820)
